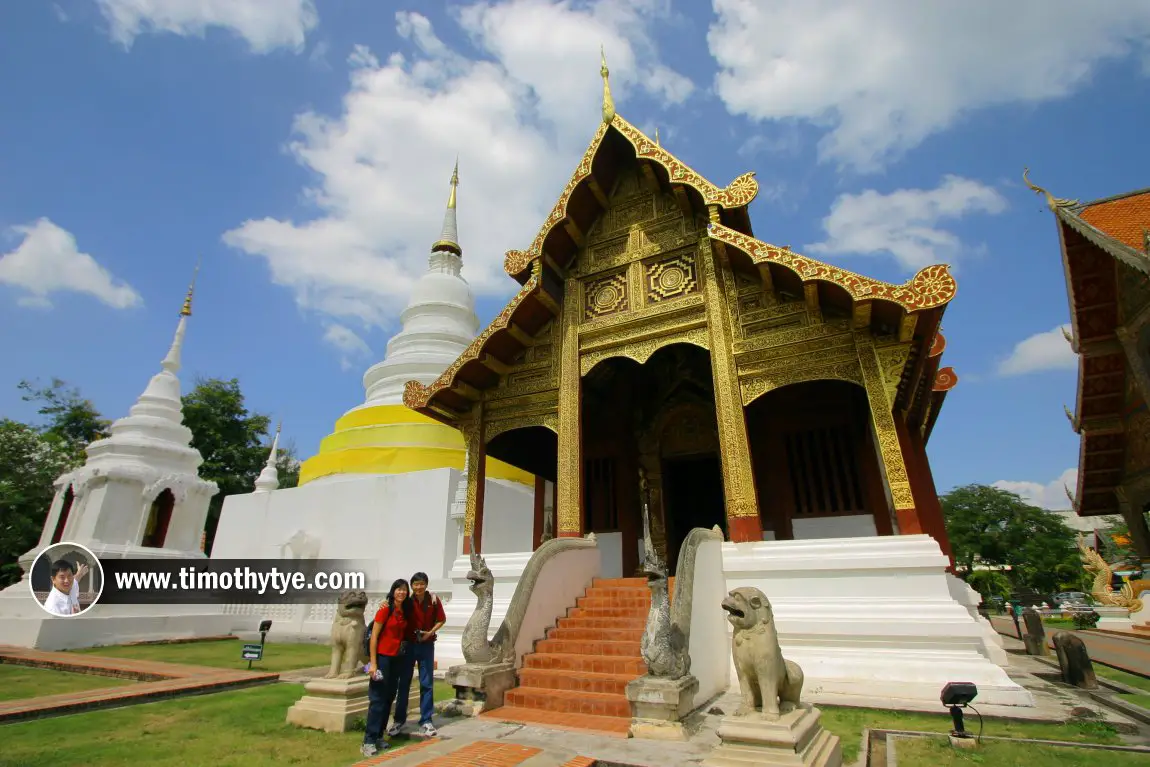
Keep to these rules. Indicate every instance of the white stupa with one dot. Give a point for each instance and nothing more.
(138, 496)
(387, 476)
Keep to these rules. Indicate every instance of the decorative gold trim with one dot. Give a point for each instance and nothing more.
(890, 450)
(497, 426)
(569, 487)
(931, 287)
(1052, 202)
(757, 384)
(641, 350)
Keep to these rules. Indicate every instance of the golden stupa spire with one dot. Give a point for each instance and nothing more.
(449, 236)
(1052, 202)
(657, 136)
(186, 311)
(608, 102)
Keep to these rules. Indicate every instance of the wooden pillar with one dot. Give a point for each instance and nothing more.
(922, 487)
(743, 522)
(540, 501)
(896, 481)
(569, 487)
(476, 470)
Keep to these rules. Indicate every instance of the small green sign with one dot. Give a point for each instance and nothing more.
(252, 652)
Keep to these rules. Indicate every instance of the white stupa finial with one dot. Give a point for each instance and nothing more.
(171, 363)
(449, 236)
(269, 478)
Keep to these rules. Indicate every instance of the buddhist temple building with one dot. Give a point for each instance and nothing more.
(654, 335)
(1105, 248)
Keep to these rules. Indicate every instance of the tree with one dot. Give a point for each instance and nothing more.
(990, 526)
(989, 583)
(234, 443)
(69, 416)
(30, 461)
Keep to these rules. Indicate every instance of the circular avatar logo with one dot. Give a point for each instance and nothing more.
(66, 579)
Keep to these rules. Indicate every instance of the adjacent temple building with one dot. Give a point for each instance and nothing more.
(656, 342)
(1106, 254)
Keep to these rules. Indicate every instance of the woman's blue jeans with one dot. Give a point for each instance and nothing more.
(380, 696)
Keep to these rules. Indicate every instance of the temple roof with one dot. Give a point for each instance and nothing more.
(539, 268)
(1095, 236)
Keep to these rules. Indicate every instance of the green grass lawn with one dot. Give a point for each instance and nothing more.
(243, 728)
(221, 653)
(17, 682)
(1059, 623)
(848, 724)
(1116, 675)
(1142, 699)
(937, 752)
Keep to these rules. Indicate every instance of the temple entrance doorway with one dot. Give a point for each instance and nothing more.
(652, 422)
(533, 449)
(693, 497)
(816, 464)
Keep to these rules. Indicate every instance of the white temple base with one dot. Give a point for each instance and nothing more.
(872, 617)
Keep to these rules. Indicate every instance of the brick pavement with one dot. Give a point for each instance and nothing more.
(438, 752)
(158, 680)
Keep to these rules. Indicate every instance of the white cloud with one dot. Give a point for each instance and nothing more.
(345, 340)
(1042, 351)
(883, 75)
(1051, 496)
(48, 261)
(905, 223)
(518, 117)
(265, 24)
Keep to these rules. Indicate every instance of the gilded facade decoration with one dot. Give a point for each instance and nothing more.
(497, 426)
(569, 487)
(945, 380)
(819, 332)
(933, 286)
(755, 385)
(672, 277)
(642, 349)
(475, 468)
(892, 360)
(738, 475)
(737, 194)
(606, 295)
(888, 445)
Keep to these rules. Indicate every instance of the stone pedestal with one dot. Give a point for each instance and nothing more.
(1114, 618)
(480, 688)
(795, 739)
(331, 705)
(659, 705)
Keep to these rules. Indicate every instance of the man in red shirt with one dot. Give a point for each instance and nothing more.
(427, 619)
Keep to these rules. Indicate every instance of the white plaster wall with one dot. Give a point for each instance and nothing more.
(563, 579)
(1143, 615)
(710, 646)
(870, 619)
(611, 553)
(508, 517)
(852, 526)
(966, 596)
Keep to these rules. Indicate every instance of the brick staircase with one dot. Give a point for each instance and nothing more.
(577, 676)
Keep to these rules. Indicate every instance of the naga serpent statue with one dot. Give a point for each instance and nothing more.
(662, 644)
(476, 647)
(1103, 576)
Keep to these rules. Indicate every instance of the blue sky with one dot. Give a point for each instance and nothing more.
(304, 149)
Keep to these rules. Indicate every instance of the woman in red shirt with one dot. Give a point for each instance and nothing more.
(388, 650)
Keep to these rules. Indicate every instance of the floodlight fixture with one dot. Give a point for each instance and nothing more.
(265, 626)
(958, 695)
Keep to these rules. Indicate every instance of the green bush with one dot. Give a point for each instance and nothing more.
(1085, 619)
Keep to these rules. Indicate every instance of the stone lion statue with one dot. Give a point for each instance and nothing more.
(770, 684)
(347, 635)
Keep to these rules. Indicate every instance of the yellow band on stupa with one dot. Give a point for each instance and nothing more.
(393, 439)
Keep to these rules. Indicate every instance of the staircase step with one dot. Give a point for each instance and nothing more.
(628, 592)
(568, 701)
(609, 582)
(609, 726)
(609, 624)
(630, 613)
(580, 634)
(576, 681)
(588, 647)
(598, 664)
(630, 604)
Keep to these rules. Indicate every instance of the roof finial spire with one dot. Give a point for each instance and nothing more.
(186, 311)
(449, 237)
(608, 102)
(268, 479)
(1052, 202)
(657, 136)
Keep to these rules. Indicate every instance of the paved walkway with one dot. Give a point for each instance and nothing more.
(157, 681)
(1126, 651)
